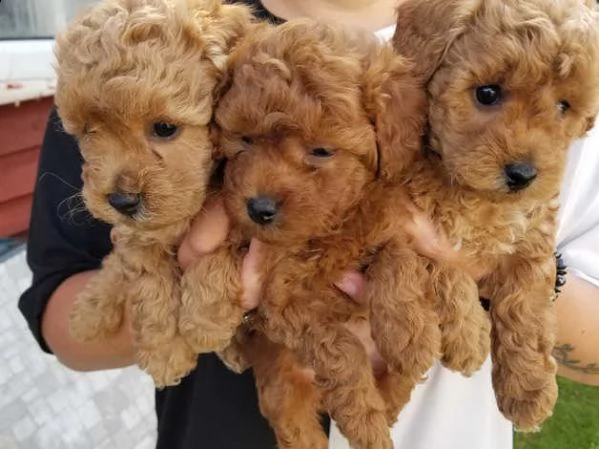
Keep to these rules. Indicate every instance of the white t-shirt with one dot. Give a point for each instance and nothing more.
(449, 411)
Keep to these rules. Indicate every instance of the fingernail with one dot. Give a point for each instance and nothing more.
(348, 284)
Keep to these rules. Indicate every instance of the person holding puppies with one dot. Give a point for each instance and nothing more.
(215, 408)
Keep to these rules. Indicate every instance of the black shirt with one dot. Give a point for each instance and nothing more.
(212, 408)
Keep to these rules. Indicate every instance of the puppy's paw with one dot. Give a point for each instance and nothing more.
(373, 433)
(233, 359)
(417, 357)
(167, 364)
(90, 322)
(306, 438)
(468, 348)
(206, 335)
(361, 417)
(396, 390)
(528, 412)
(409, 340)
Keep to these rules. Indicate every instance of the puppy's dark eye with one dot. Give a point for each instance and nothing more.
(563, 106)
(489, 95)
(321, 152)
(247, 140)
(164, 130)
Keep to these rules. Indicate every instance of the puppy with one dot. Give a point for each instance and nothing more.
(314, 121)
(511, 84)
(135, 86)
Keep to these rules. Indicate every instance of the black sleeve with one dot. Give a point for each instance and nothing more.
(63, 237)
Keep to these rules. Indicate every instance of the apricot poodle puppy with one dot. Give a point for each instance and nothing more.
(135, 86)
(315, 120)
(511, 85)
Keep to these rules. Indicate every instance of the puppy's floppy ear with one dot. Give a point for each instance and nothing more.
(396, 103)
(214, 130)
(590, 124)
(219, 25)
(426, 30)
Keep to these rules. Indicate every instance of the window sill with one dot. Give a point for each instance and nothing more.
(27, 71)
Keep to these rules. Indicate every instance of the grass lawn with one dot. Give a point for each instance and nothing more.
(574, 424)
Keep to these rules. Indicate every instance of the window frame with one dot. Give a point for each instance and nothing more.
(27, 63)
(28, 70)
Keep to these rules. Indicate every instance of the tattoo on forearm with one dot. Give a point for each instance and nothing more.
(562, 354)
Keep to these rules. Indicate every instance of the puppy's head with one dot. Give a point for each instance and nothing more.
(511, 85)
(297, 125)
(135, 86)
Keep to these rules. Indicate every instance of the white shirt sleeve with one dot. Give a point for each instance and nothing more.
(578, 230)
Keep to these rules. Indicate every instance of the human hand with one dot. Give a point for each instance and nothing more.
(427, 241)
(352, 284)
(208, 231)
(430, 241)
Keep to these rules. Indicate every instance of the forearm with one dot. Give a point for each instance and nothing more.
(577, 349)
(114, 352)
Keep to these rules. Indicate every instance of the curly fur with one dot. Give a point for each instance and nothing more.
(122, 67)
(291, 89)
(540, 53)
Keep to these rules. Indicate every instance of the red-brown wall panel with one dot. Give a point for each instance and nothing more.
(17, 174)
(14, 216)
(23, 126)
(21, 133)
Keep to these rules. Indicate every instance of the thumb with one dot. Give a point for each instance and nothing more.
(352, 284)
(208, 231)
(251, 279)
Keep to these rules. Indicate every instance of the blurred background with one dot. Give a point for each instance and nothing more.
(46, 406)
(27, 19)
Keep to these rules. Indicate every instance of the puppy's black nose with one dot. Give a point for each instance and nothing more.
(126, 203)
(262, 209)
(519, 175)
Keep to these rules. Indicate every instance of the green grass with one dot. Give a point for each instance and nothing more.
(574, 424)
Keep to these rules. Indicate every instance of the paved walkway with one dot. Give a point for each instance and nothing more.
(44, 405)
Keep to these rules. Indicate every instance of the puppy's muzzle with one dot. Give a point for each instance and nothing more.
(125, 203)
(519, 175)
(262, 210)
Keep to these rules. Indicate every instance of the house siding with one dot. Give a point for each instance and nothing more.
(21, 132)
